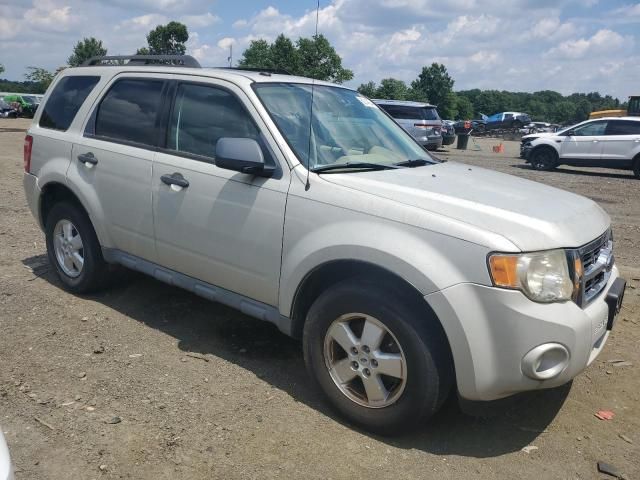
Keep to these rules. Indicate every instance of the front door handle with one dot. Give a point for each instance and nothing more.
(88, 159)
(176, 181)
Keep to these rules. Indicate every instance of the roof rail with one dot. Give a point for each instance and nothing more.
(130, 60)
(278, 71)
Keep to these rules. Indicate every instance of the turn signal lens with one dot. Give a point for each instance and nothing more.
(504, 270)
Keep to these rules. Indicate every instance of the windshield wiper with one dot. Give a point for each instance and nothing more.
(353, 166)
(416, 162)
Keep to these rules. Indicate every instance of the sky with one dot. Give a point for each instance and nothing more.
(518, 45)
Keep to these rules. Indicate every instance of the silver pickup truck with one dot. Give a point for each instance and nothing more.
(301, 203)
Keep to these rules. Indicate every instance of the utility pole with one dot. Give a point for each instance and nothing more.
(230, 57)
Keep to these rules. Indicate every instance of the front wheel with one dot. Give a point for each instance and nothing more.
(382, 360)
(636, 168)
(544, 159)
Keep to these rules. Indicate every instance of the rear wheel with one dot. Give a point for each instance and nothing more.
(544, 159)
(74, 250)
(381, 360)
(636, 167)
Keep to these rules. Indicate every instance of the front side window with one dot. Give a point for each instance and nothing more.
(202, 115)
(345, 127)
(129, 110)
(65, 100)
(590, 129)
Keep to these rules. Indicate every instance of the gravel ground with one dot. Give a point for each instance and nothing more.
(147, 381)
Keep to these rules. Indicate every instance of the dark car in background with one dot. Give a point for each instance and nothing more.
(448, 132)
(24, 104)
(7, 111)
(420, 119)
(507, 120)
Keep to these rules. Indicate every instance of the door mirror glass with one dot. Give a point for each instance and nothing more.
(242, 155)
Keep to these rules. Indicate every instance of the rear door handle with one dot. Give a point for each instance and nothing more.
(176, 181)
(88, 159)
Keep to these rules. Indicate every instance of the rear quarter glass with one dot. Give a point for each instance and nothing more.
(65, 100)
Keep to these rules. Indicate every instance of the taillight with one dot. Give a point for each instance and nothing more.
(28, 145)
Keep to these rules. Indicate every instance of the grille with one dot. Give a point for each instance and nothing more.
(597, 262)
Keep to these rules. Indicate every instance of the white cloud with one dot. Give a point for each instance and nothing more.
(199, 21)
(601, 43)
(46, 15)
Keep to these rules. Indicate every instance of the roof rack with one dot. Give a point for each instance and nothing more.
(278, 71)
(131, 60)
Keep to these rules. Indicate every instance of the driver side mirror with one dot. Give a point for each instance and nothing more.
(242, 155)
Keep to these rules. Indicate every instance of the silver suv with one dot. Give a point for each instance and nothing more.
(420, 119)
(301, 203)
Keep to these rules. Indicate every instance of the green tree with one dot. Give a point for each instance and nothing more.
(368, 89)
(169, 39)
(312, 57)
(283, 55)
(41, 77)
(437, 85)
(464, 108)
(392, 89)
(257, 55)
(86, 49)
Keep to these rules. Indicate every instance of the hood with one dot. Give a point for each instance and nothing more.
(538, 135)
(531, 215)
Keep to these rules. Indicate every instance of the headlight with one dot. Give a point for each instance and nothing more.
(542, 276)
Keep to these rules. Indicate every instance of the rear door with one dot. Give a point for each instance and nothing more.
(113, 160)
(584, 145)
(620, 143)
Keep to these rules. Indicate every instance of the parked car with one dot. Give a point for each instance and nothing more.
(606, 142)
(24, 107)
(6, 470)
(460, 127)
(507, 120)
(448, 132)
(535, 127)
(7, 111)
(403, 276)
(421, 120)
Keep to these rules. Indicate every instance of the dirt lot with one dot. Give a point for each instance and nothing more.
(146, 381)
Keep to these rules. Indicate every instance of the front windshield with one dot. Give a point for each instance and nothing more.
(346, 127)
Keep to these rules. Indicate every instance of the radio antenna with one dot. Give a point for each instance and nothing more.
(313, 84)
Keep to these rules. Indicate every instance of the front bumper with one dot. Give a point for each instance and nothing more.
(491, 331)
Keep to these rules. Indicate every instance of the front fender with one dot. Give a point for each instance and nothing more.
(316, 234)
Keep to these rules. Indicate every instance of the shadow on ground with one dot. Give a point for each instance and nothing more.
(586, 173)
(209, 328)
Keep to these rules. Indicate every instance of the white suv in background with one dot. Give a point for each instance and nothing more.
(603, 142)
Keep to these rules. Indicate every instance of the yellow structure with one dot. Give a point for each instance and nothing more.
(633, 110)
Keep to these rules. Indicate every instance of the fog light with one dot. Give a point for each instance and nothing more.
(545, 361)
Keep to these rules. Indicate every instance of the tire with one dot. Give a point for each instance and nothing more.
(545, 159)
(636, 167)
(413, 335)
(77, 277)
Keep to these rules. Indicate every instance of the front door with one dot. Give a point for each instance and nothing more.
(217, 225)
(584, 145)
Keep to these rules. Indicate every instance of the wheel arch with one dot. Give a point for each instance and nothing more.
(55, 192)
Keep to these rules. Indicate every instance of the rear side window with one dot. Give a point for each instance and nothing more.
(623, 127)
(65, 101)
(411, 113)
(128, 112)
(202, 115)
